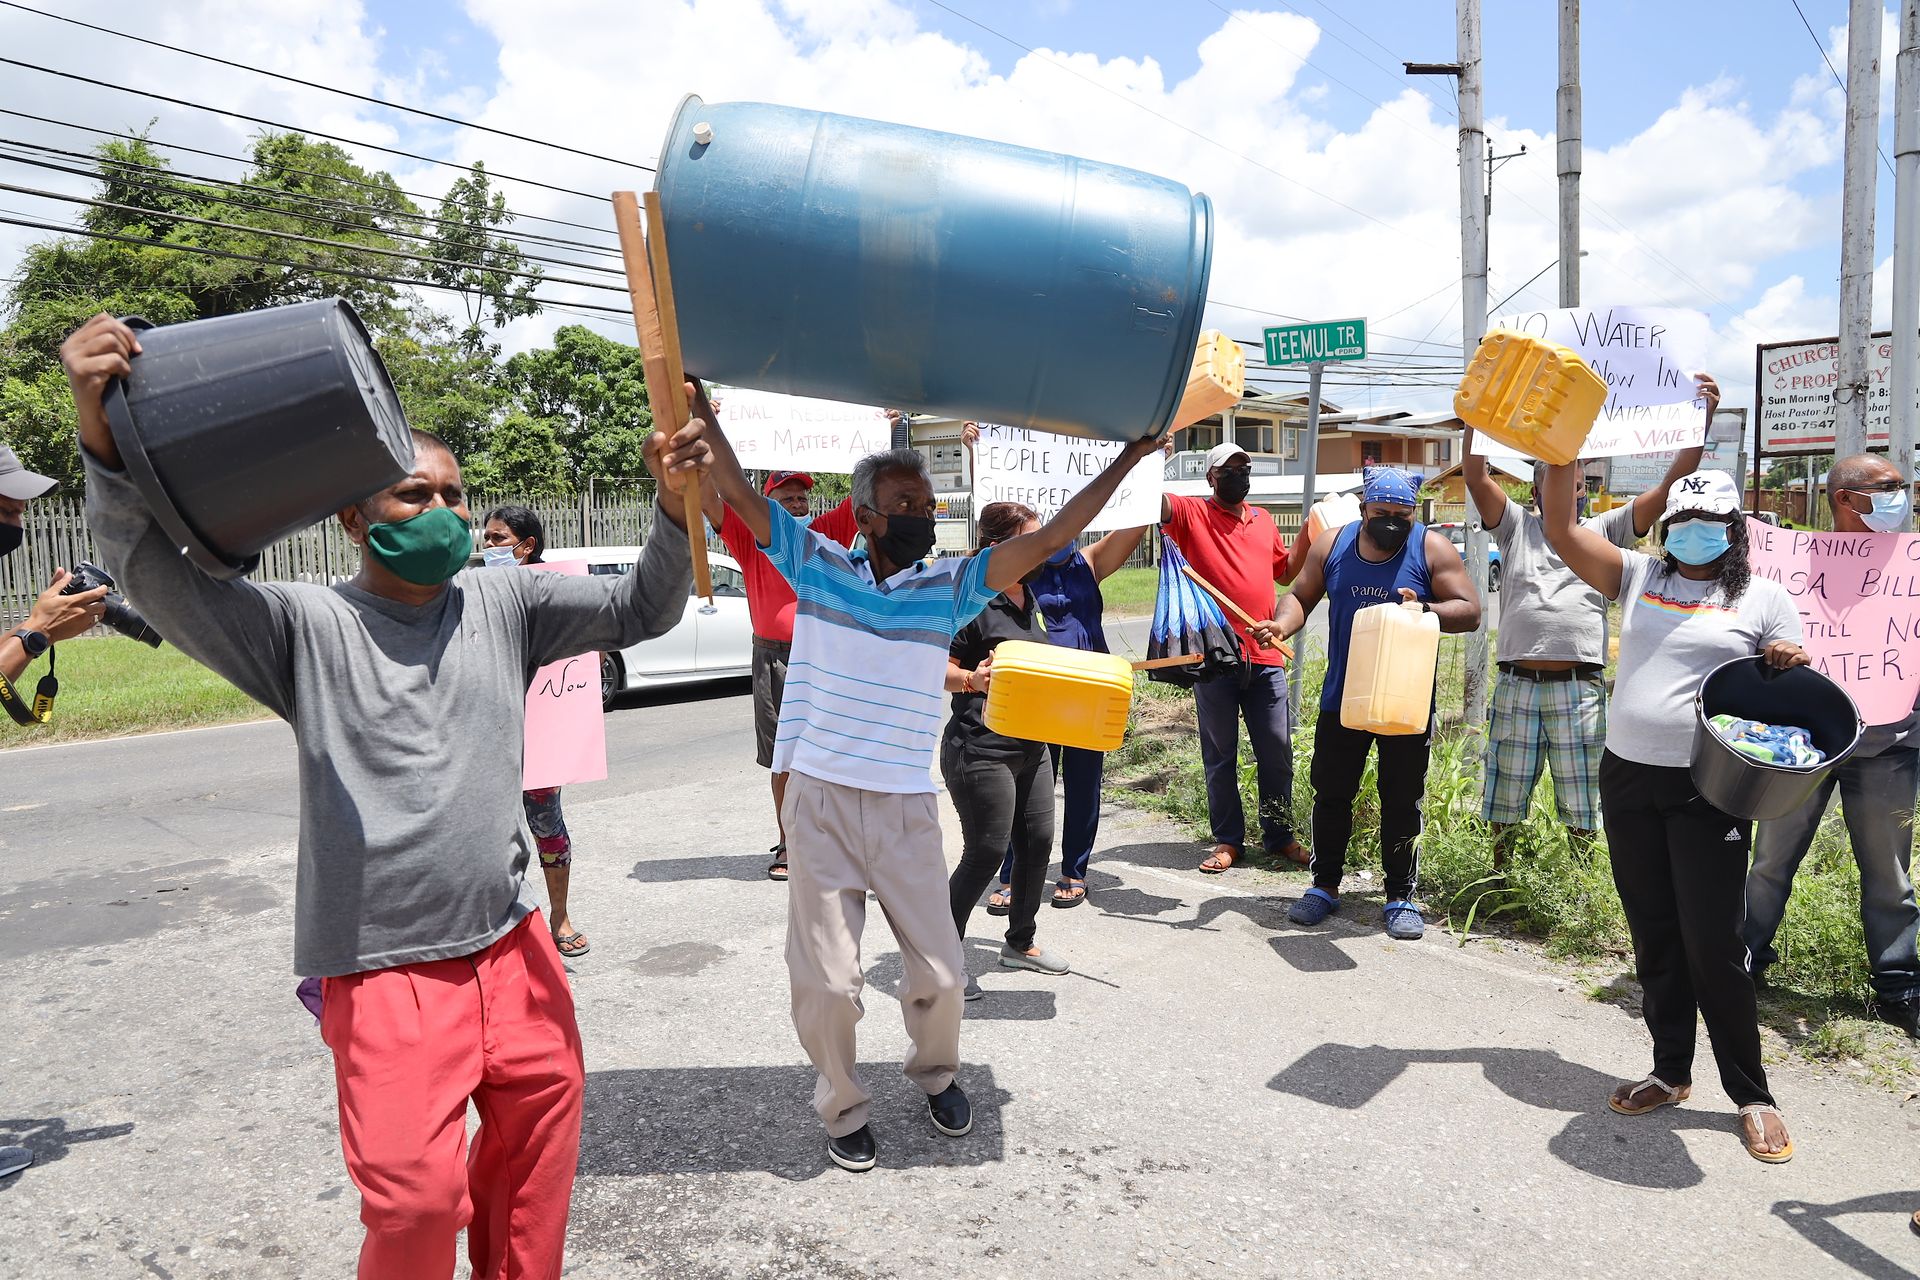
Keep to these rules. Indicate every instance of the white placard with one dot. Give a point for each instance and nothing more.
(1044, 471)
(773, 432)
(1648, 356)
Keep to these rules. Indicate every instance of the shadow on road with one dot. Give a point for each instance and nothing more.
(1642, 1151)
(1311, 952)
(639, 1123)
(999, 1004)
(50, 1139)
(1815, 1223)
(682, 694)
(718, 866)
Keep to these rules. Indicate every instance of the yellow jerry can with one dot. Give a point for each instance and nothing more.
(1216, 381)
(1534, 396)
(1391, 658)
(1051, 694)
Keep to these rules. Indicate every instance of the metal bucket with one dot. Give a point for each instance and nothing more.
(847, 259)
(1748, 688)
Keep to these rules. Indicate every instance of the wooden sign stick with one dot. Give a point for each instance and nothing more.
(656, 323)
(1285, 649)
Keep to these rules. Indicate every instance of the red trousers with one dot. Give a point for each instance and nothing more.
(412, 1046)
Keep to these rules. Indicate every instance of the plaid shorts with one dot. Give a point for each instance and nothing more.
(1562, 724)
(549, 827)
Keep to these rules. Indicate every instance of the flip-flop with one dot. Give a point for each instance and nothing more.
(1669, 1095)
(1000, 901)
(1781, 1156)
(777, 869)
(571, 945)
(1069, 892)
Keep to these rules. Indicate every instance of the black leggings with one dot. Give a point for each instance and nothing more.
(1339, 762)
(1681, 868)
(1001, 801)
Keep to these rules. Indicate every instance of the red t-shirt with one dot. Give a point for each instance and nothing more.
(770, 601)
(1242, 557)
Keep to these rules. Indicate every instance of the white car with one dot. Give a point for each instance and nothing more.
(706, 644)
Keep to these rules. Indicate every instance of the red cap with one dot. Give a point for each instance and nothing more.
(779, 478)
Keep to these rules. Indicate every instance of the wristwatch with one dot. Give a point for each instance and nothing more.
(34, 642)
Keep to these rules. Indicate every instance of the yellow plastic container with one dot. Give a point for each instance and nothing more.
(1391, 659)
(1216, 381)
(1537, 397)
(1331, 513)
(1049, 694)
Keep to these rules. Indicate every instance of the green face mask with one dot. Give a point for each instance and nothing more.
(426, 549)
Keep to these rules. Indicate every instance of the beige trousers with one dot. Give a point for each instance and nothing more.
(841, 842)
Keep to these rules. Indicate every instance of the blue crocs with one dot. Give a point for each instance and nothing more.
(1404, 921)
(1315, 905)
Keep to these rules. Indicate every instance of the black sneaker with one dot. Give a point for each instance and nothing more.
(854, 1152)
(1904, 1014)
(951, 1112)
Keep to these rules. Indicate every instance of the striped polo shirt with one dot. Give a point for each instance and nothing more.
(865, 693)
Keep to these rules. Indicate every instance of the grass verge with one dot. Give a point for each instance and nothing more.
(1130, 593)
(1555, 894)
(110, 685)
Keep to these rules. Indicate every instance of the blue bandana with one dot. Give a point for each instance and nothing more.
(1390, 484)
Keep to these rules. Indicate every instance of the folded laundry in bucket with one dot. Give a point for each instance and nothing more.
(1778, 744)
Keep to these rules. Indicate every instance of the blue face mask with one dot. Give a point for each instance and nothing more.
(804, 521)
(1697, 541)
(1063, 556)
(1889, 512)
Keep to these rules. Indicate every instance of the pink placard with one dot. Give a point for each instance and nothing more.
(566, 738)
(1859, 600)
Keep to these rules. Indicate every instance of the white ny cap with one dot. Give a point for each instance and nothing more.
(1713, 492)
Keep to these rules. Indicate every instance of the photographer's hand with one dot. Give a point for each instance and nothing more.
(64, 617)
(94, 354)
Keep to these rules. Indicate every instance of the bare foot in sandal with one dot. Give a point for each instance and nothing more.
(1650, 1094)
(1765, 1131)
(1221, 859)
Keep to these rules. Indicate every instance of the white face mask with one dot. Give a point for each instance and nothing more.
(495, 557)
(1889, 511)
(804, 520)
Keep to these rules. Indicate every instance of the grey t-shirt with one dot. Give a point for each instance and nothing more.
(408, 722)
(1547, 613)
(1673, 632)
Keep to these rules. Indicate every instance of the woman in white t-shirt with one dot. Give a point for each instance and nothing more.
(1679, 863)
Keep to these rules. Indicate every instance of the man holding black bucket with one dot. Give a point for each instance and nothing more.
(411, 903)
(1877, 785)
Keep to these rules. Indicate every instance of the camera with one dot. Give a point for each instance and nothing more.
(119, 615)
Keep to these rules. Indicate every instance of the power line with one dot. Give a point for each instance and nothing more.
(1184, 128)
(295, 238)
(1829, 61)
(345, 272)
(309, 173)
(326, 88)
(226, 199)
(275, 124)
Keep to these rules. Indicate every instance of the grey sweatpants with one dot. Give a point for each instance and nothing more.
(841, 842)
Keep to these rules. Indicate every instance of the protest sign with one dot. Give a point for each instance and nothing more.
(1859, 600)
(1647, 357)
(773, 432)
(566, 734)
(1044, 471)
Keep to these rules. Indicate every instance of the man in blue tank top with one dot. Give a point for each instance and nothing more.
(1383, 558)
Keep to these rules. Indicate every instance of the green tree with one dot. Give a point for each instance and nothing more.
(592, 392)
(495, 279)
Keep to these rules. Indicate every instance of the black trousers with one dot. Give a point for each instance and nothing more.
(1001, 802)
(1339, 762)
(1681, 868)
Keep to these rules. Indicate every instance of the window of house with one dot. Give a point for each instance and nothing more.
(1370, 454)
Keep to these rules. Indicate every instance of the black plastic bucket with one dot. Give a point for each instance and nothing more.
(242, 429)
(1750, 689)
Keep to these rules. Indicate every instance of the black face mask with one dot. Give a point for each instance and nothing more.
(1231, 486)
(907, 539)
(11, 536)
(1389, 533)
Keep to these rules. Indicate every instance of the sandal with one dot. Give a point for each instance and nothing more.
(1754, 1135)
(1069, 892)
(1670, 1095)
(1221, 859)
(1000, 901)
(572, 945)
(777, 869)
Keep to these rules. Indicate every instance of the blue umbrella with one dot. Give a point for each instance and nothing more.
(1187, 621)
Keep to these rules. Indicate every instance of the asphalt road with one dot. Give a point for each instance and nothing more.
(1213, 1092)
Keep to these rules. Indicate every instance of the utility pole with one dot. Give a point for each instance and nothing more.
(1309, 465)
(1904, 385)
(1567, 132)
(1856, 226)
(1473, 312)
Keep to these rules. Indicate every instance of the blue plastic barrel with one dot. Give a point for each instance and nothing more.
(847, 259)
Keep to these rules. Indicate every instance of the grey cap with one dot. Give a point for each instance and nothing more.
(17, 482)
